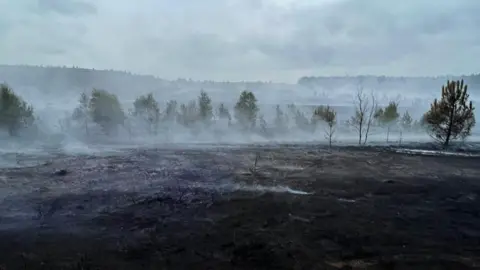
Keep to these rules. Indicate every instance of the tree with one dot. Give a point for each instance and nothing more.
(281, 120)
(15, 113)
(365, 109)
(263, 125)
(301, 121)
(105, 110)
(406, 123)
(452, 116)
(146, 108)
(388, 116)
(205, 107)
(81, 113)
(170, 113)
(188, 113)
(328, 115)
(223, 113)
(246, 110)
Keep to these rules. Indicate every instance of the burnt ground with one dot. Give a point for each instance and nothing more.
(289, 207)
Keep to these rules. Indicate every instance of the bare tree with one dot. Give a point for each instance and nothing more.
(365, 108)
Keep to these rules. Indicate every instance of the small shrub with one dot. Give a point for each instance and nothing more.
(205, 107)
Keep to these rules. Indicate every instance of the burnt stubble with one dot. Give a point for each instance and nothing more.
(255, 207)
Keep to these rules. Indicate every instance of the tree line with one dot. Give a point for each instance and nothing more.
(451, 117)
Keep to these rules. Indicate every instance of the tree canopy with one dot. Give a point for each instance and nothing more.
(452, 117)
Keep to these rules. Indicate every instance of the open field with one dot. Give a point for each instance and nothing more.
(268, 207)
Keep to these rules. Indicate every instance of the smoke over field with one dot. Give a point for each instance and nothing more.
(234, 134)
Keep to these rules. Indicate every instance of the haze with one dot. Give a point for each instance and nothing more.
(268, 40)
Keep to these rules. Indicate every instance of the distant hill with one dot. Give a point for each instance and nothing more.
(308, 90)
(50, 80)
(74, 79)
(387, 82)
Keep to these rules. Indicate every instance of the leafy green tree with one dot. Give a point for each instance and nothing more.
(15, 113)
(388, 116)
(205, 107)
(246, 110)
(81, 113)
(327, 115)
(147, 108)
(452, 116)
(105, 110)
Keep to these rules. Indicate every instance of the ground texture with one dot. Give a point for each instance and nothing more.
(282, 207)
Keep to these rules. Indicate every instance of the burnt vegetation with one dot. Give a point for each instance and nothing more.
(347, 209)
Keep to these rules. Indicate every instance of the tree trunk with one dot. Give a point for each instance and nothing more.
(449, 130)
(12, 130)
(330, 137)
(360, 134)
(388, 132)
(86, 127)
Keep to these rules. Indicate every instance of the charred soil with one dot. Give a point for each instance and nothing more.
(283, 207)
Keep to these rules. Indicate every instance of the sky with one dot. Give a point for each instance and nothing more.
(267, 40)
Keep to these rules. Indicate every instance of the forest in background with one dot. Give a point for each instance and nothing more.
(73, 79)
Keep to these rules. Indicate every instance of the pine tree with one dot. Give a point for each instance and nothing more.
(246, 110)
(205, 107)
(452, 116)
(223, 112)
(406, 121)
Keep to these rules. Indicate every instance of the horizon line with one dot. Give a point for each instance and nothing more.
(244, 81)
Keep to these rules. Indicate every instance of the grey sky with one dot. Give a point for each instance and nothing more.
(278, 40)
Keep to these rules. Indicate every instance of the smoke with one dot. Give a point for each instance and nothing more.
(278, 40)
(57, 132)
(261, 40)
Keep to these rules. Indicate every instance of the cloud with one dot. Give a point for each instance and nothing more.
(278, 40)
(66, 7)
